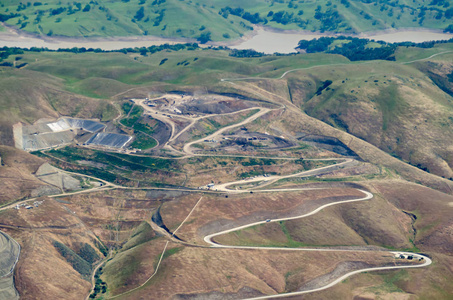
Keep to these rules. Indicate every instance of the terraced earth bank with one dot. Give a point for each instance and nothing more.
(241, 178)
(10, 251)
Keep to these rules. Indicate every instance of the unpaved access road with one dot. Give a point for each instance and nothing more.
(223, 188)
(270, 179)
(208, 239)
(273, 178)
(262, 112)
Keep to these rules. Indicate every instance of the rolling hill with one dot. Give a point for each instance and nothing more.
(218, 20)
(240, 140)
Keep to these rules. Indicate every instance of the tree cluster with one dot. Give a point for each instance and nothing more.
(245, 53)
(240, 12)
(356, 48)
(78, 263)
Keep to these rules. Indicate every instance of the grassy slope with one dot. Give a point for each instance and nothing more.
(28, 96)
(381, 102)
(174, 18)
(381, 222)
(395, 107)
(214, 65)
(370, 223)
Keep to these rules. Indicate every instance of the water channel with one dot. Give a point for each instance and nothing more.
(262, 40)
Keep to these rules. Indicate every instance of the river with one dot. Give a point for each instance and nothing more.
(268, 41)
(262, 40)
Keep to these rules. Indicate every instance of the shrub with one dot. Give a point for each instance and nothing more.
(88, 253)
(78, 263)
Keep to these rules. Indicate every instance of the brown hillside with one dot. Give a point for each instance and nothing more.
(16, 173)
(28, 96)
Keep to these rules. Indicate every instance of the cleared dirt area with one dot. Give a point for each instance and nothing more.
(197, 105)
(121, 219)
(16, 176)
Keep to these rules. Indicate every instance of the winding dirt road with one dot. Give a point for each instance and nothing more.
(223, 188)
(208, 239)
(270, 179)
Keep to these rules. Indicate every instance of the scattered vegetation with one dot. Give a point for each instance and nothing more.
(113, 167)
(359, 49)
(101, 247)
(183, 18)
(143, 139)
(100, 286)
(246, 53)
(77, 262)
(87, 253)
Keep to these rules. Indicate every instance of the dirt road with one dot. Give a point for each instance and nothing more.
(223, 188)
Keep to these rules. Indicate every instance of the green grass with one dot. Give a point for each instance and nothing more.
(390, 283)
(77, 262)
(390, 104)
(143, 142)
(290, 243)
(114, 167)
(406, 54)
(124, 264)
(191, 19)
(142, 234)
(122, 71)
(170, 252)
(143, 131)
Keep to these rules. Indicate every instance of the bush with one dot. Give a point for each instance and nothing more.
(449, 28)
(88, 253)
(245, 53)
(101, 247)
(4, 18)
(139, 14)
(78, 263)
(204, 37)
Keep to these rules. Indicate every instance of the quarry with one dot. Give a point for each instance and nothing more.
(47, 134)
(195, 174)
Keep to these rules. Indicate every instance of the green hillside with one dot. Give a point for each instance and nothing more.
(383, 102)
(218, 19)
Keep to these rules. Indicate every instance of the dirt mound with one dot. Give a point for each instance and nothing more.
(16, 173)
(328, 143)
(55, 177)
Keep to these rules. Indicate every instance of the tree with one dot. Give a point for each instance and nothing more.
(449, 28)
(139, 14)
(86, 8)
(449, 13)
(204, 37)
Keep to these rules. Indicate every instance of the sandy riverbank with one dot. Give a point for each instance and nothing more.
(15, 38)
(263, 39)
(284, 41)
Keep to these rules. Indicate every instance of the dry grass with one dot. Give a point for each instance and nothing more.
(16, 173)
